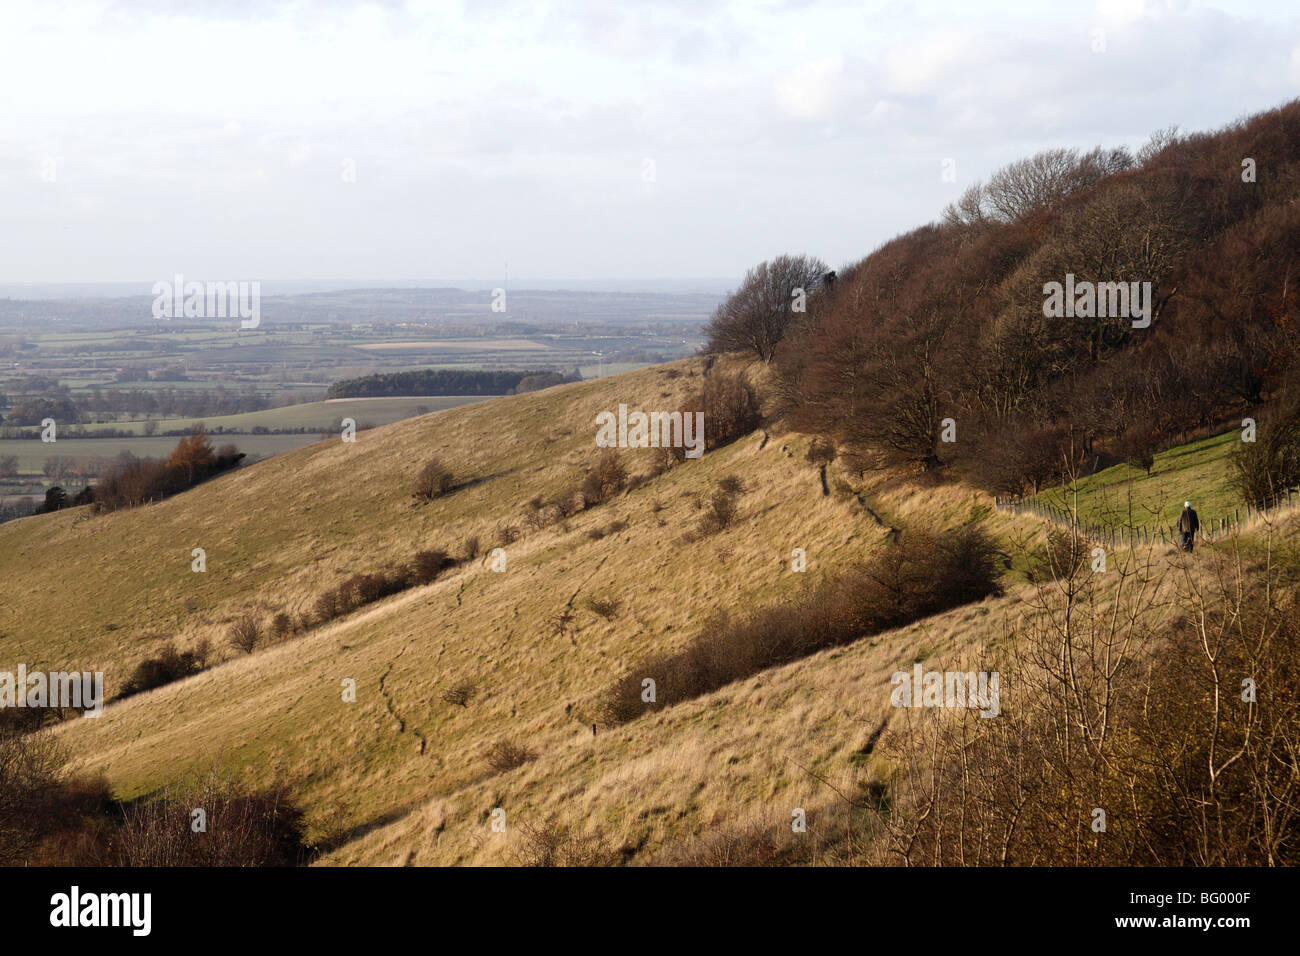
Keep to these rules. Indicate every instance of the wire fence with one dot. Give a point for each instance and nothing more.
(1128, 533)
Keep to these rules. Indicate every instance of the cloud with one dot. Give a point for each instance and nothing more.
(481, 131)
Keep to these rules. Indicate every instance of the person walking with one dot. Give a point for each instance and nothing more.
(1188, 525)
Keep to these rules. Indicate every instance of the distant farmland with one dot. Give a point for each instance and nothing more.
(32, 454)
(314, 415)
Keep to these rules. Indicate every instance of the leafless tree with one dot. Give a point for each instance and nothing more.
(773, 296)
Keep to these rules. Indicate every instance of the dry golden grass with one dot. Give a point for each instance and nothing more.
(402, 776)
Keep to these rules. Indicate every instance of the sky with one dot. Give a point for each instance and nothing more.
(258, 140)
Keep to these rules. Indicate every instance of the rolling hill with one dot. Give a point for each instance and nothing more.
(402, 775)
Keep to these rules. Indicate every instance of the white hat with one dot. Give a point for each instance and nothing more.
(1187, 504)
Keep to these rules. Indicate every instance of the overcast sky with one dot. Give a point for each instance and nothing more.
(427, 140)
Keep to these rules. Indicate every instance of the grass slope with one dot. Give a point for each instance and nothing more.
(401, 776)
(1124, 495)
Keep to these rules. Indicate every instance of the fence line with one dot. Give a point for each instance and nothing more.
(1143, 534)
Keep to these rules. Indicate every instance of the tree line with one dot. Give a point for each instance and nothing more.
(934, 351)
(443, 381)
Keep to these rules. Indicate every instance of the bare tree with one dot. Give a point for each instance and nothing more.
(1044, 179)
(773, 297)
(1156, 144)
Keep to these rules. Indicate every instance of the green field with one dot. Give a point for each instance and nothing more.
(315, 415)
(1124, 496)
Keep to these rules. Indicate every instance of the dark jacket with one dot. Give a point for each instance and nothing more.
(1188, 523)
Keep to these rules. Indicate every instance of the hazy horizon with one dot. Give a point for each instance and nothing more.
(291, 287)
(664, 139)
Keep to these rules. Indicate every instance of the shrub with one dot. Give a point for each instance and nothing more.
(245, 633)
(1063, 556)
(606, 478)
(170, 665)
(554, 845)
(921, 575)
(434, 479)
(427, 565)
(565, 504)
(821, 451)
(731, 485)
(471, 547)
(721, 509)
(730, 407)
(33, 795)
(281, 625)
(739, 845)
(606, 607)
(244, 827)
(506, 755)
(459, 695)
(328, 606)
(360, 589)
(379, 585)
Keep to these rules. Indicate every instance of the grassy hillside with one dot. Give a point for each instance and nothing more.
(102, 593)
(1124, 495)
(402, 775)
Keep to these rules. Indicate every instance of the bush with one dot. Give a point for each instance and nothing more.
(427, 565)
(921, 575)
(821, 451)
(281, 625)
(719, 514)
(459, 695)
(471, 547)
(606, 478)
(46, 820)
(606, 607)
(327, 606)
(1265, 468)
(1064, 555)
(244, 827)
(730, 407)
(434, 479)
(379, 585)
(565, 504)
(170, 665)
(721, 510)
(554, 845)
(245, 633)
(505, 755)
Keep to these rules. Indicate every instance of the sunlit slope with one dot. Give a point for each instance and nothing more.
(280, 532)
(281, 710)
(103, 592)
